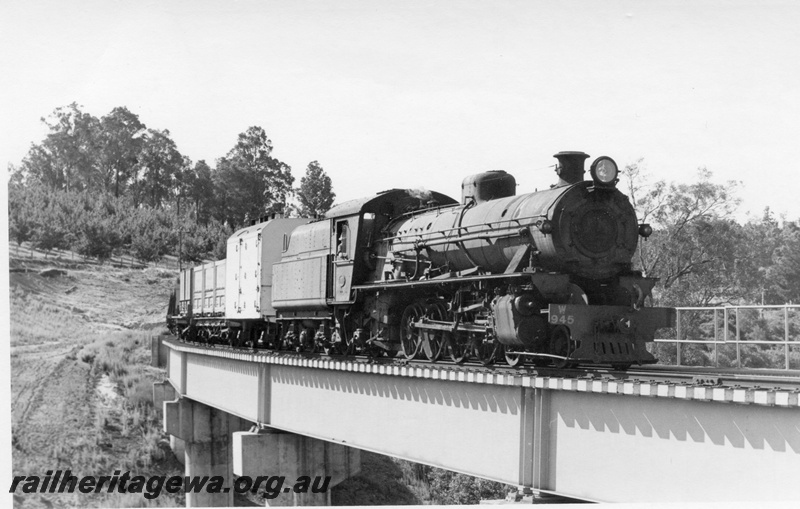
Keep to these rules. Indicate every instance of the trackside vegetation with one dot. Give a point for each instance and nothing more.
(100, 186)
(706, 257)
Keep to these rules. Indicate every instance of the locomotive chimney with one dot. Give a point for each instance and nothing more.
(570, 167)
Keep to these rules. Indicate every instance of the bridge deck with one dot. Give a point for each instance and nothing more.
(605, 440)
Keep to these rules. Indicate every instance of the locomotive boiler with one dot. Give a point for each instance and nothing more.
(544, 276)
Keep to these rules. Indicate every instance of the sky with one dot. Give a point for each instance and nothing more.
(420, 94)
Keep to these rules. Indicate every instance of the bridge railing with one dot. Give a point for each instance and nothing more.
(753, 336)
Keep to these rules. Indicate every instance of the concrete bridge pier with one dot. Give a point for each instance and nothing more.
(159, 353)
(206, 432)
(297, 458)
(163, 392)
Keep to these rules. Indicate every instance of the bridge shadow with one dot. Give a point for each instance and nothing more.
(491, 398)
(659, 418)
(694, 421)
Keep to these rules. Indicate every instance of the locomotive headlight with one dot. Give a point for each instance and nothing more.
(645, 230)
(604, 172)
(546, 227)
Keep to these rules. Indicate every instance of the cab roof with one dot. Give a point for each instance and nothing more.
(392, 202)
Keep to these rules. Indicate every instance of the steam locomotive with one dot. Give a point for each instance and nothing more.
(543, 277)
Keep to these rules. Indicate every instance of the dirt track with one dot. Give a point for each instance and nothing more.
(53, 402)
(54, 396)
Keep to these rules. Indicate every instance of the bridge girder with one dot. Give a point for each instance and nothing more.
(594, 440)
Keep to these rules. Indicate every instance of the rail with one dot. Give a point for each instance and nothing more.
(693, 325)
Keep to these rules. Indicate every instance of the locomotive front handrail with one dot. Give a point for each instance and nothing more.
(488, 229)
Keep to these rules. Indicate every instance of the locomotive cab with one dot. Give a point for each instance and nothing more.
(357, 229)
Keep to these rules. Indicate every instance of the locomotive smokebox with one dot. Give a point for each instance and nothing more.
(570, 167)
(486, 186)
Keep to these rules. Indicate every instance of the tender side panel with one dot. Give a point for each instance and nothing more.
(300, 278)
(276, 236)
(308, 240)
(299, 284)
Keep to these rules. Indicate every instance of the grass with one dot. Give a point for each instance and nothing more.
(132, 420)
(37, 321)
(57, 344)
(121, 360)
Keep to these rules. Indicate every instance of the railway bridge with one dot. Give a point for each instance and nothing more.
(607, 436)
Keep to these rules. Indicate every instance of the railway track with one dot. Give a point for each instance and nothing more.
(678, 375)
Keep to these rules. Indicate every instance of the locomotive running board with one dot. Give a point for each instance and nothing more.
(426, 282)
(547, 282)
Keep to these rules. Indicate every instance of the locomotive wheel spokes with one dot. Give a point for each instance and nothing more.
(458, 343)
(432, 340)
(409, 335)
(485, 350)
